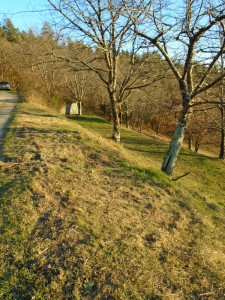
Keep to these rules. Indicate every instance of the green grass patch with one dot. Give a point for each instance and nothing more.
(146, 173)
(205, 171)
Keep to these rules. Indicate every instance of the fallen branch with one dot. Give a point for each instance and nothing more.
(185, 174)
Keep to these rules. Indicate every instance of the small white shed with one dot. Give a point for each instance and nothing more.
(71, 109)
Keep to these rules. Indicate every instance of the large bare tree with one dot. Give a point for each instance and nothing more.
(186, 35)
(105, 26)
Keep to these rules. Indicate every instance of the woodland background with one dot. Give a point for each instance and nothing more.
(28, 63)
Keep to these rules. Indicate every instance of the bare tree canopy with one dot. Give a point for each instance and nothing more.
(187, 36)
(108, 28)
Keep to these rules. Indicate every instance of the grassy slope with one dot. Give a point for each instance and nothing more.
(83, 218)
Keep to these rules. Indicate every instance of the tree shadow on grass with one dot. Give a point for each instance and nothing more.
(198, 156)
(88, 119)
(38, 115)
(143, 142)
(6, 187)
(31, 130)
(146, 145)
(158, 155)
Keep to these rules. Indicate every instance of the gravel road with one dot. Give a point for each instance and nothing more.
(8, 102)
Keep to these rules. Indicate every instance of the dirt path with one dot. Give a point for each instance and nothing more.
(8, 102)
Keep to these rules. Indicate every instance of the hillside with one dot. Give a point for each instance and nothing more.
(84, 218)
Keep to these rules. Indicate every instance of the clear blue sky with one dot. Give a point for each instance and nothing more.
(22, 12)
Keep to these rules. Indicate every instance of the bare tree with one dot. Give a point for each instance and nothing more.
(215, 113)
(186, 39)
(78, 84)
(221, 106)
(105, 26)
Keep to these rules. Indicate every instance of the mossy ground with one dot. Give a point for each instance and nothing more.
(84, 218)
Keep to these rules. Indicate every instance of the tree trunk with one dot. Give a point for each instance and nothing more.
(115, 110)
(116, 125)
(68, 107)
(190, 141)
(140, 127)
(222, 141)
(175, 144)
(127, 121)
(80, 108)
(197, 145)
(121, 117)
(222, 135)
(178, 136)
(127, 117)
(158, 127)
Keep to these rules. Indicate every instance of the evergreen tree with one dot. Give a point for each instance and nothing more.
(2, 34)
(10, 31)
(47, 31)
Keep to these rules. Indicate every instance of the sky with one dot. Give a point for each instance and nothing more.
(24, 14)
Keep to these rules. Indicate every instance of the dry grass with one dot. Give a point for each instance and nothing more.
(81, 221)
